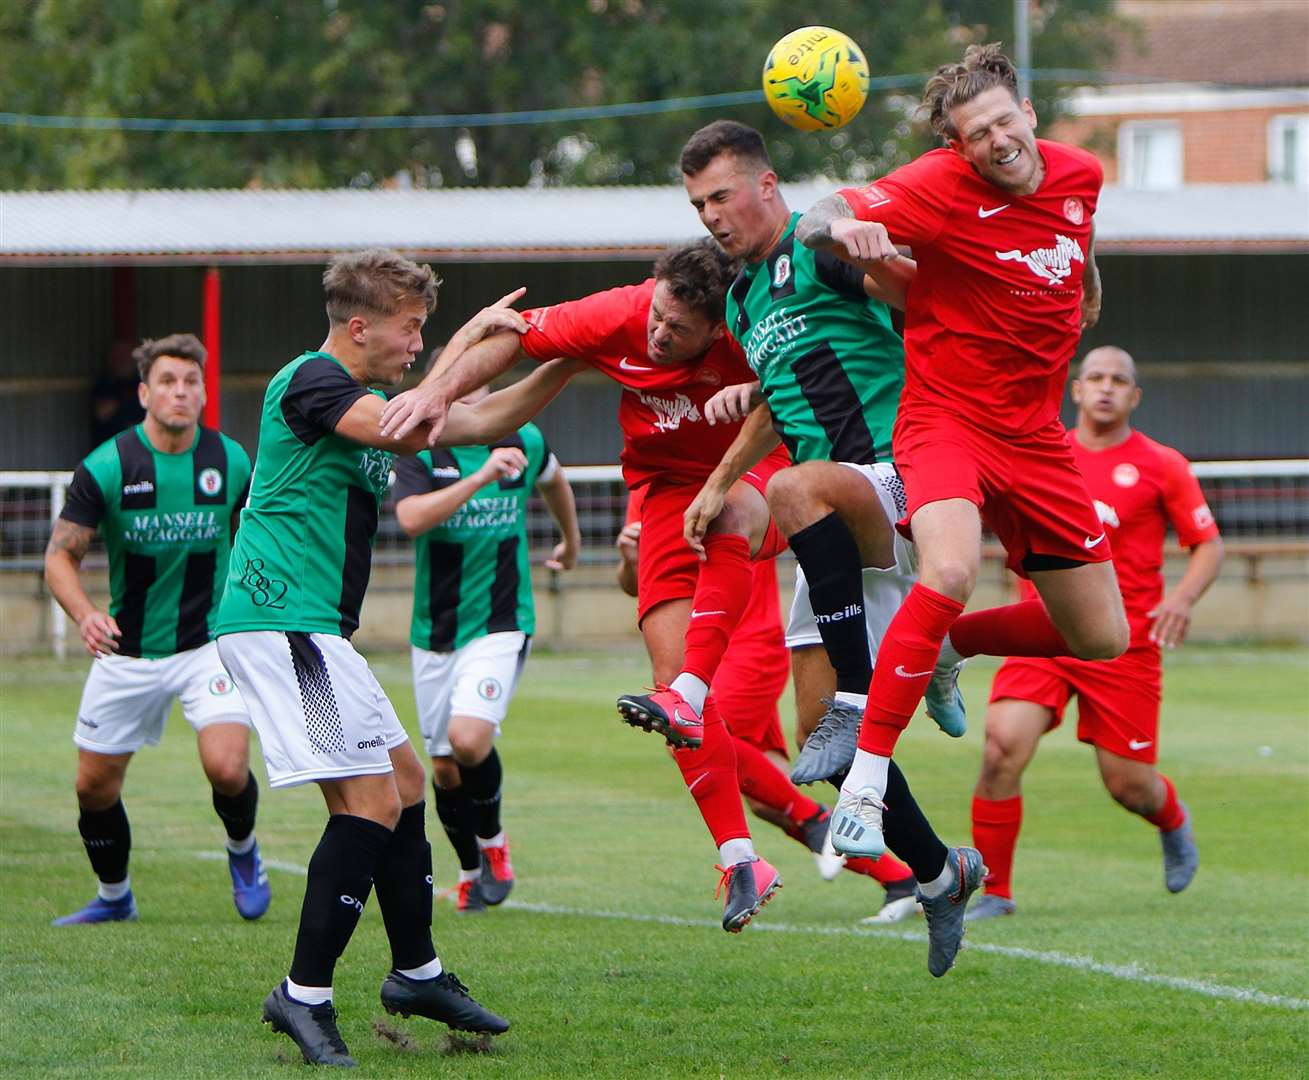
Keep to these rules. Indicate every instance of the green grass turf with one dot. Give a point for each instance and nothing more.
(600, 822)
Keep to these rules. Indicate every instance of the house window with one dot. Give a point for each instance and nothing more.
(1288, 150)
(1150, 155)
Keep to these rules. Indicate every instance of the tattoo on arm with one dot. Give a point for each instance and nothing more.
(815, 228)
(72, 538)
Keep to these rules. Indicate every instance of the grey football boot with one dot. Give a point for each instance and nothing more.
(830, 748)
(1181, 856)
(945, 913)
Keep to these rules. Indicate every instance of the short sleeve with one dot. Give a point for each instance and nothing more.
(576, 328)
(912, 202)
(1185, 503)
(840, 276)
(548, 468)
(84, 504)
(320, 392)
(412, 477)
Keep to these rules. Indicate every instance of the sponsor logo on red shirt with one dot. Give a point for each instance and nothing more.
(1126, 474)
(1050, 264)
(874, 197)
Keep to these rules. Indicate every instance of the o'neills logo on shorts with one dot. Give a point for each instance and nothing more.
(369, 744)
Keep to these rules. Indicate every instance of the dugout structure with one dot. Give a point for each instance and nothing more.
(1199, 284)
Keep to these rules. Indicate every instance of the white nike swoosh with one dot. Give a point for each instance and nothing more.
(1088, 543)
(1139, 744)
(627, 365)
(701, 614)
(899, 670)
(987, 213)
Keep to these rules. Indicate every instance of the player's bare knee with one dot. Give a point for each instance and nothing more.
(1103, 642)
(410, 780)
(792, 500)
(1131, 792)
(445, 773)
(97, 792)
(228, 775)
(1003, 758)
(955, 578)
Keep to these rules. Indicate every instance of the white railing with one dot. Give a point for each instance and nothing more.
(1261, 506)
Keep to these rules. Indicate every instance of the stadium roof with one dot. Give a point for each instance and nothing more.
(519, 224)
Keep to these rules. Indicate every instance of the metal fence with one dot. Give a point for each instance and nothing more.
(1256, 503)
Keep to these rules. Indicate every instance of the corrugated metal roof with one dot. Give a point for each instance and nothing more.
(515, 223)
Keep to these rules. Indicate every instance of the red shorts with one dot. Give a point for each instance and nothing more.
(1117, 700)
(1028, 489)
(756, 667)
(668, 568)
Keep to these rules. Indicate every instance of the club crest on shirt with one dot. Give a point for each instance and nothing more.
(490, 689)
(1049, 264)
(1126, 474)
(709, 376)
(1073, 209)
(1202, 516)
(210, 481)
(781, 271)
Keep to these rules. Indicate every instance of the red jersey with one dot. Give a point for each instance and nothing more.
(1139, 487)
(994, 314)
(662, 409)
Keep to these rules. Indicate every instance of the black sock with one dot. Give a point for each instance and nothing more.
(108, 840)
(456, 816)
(829, 557)
(482, 786)
(340, 878)
(907, 831)
(403, 880)
(238, 811)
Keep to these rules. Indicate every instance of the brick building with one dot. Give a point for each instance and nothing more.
(1201, 92)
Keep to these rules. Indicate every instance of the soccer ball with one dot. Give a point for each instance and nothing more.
(816, 78)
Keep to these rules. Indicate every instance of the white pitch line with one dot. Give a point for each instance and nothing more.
(1126, 972)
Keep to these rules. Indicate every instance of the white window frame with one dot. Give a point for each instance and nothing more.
(1127, 132)
(1277, 164)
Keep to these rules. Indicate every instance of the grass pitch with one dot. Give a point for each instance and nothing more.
(610, 961)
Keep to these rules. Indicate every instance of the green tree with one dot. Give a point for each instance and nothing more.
(226, 59)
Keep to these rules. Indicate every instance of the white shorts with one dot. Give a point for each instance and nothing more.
(478, 680)
(320, 713)
(126, 699)
(884, 589)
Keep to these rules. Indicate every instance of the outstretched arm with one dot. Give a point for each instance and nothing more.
(429, 402)
(502, 413)
(755, 440)
(830, 224)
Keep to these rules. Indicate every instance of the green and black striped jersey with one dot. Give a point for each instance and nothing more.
(304, 552)
(166, 520)
(830, 364)
(472, 575)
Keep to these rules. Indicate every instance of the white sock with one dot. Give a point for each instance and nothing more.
(945, 881)
(469, 875)
(693, 689)
(860, 701)
(430, 970)
(241, 847)
(116, 891)
(307, 995)
(735, 851)
(949, 654)
(498, 840)
(868, 770)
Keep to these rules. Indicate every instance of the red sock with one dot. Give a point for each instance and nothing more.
(710, 775)
(1022, 629)
(995, 832)
(905, 661)
(722, 592)
(887, 869)
(761, 780)
(1171, 815)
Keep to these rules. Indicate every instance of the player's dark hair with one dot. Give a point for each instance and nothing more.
(699, 275)
(181, 346)
(376, 282)
(983, 67)
(724, 136)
